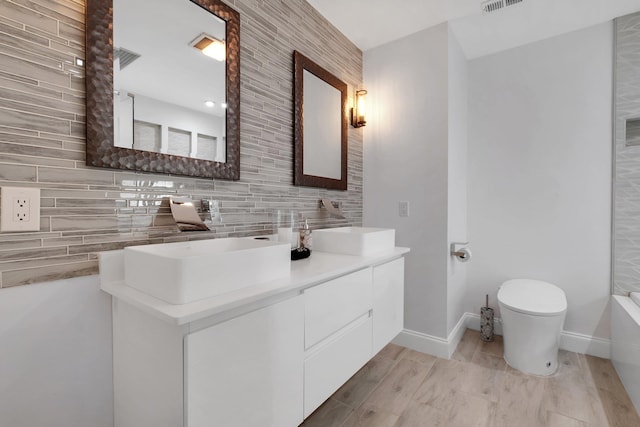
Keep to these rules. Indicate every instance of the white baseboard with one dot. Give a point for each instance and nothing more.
(444, 348)
(424, 343)
(430, 344)
(585, 344)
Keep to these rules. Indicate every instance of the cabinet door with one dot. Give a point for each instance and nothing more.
(388, 302)
(247, 371)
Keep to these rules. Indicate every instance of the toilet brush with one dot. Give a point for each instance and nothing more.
(486, 322)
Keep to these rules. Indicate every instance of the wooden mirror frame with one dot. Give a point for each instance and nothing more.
(101, 150)
(302, 63)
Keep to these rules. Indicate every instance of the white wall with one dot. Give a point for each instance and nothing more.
(457, 178)
(405, 159)
(55, 356)
(540, 171)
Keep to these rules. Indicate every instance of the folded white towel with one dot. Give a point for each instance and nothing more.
(635, 296)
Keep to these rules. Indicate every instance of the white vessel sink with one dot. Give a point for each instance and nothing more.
(360, 241)
(182, 272)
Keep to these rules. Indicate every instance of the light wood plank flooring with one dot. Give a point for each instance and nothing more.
(402, 387)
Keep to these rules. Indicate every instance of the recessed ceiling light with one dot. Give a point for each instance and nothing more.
(210, 104)
(223, 105)
(80, 62)
(210, 46)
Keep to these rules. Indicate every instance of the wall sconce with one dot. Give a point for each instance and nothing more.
(210, 46)
(358, 112)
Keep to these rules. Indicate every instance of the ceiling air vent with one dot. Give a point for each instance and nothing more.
(495, 5)
(126, 56)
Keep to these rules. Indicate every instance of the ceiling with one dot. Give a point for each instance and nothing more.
(371, 23)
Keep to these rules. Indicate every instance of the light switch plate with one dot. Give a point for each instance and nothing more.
(19, 209)
(403, 209)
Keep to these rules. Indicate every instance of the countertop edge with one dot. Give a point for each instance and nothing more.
(268, 293)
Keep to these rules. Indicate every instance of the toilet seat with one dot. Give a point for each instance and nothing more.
(533, 297)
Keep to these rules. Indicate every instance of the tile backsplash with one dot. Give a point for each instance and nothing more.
(86, 210)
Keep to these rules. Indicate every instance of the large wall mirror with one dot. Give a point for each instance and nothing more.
(163, 87)
(320, 126)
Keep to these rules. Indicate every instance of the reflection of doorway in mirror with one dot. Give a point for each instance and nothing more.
(123, 107)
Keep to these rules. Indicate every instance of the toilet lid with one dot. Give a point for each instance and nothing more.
(532, 297)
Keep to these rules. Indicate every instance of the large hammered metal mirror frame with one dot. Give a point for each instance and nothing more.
(320, 126)
(101, 148)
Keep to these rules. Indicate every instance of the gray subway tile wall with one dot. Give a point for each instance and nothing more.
(86, 210)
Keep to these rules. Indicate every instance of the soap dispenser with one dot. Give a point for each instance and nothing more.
(302, 251)
(305, 235)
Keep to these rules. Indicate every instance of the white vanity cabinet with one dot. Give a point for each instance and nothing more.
(267, 355)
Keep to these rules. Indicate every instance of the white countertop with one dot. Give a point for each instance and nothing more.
(318, 268)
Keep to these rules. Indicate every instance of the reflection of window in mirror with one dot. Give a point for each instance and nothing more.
(179, 142)
(207, 146)
(146, 136)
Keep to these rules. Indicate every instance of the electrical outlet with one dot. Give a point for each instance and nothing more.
(19, 209)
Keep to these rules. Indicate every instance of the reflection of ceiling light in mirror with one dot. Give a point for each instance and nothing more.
(223, 105)
(210, 104)
(210, 46)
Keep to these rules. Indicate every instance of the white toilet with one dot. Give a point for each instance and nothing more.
(533, 314)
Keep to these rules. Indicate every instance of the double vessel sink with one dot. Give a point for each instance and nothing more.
(183, 272)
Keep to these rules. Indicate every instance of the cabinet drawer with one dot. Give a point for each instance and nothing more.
(332, 365)
(334, 304)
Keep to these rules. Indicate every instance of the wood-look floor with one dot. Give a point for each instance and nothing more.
(402, 387)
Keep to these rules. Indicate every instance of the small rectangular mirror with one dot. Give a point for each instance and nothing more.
(320, 126)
